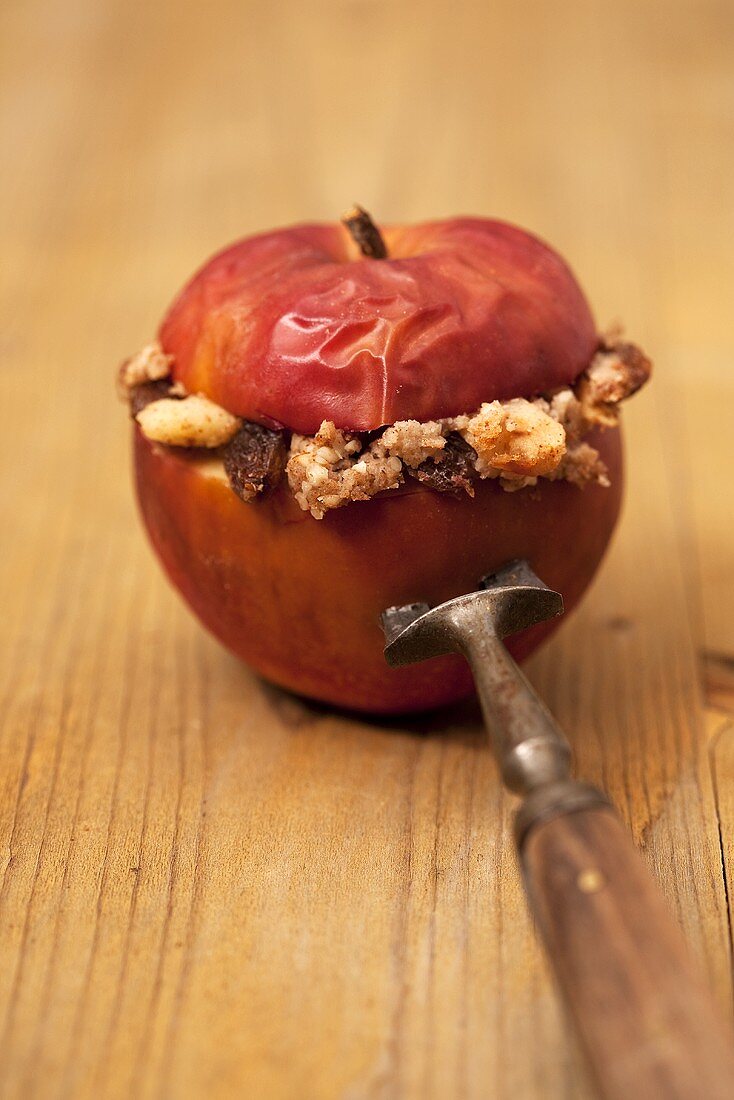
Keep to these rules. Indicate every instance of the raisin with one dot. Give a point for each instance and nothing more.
(147, 393)
(254, 460)
(452, 472)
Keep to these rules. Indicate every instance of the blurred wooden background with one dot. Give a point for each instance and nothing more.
(208, 888)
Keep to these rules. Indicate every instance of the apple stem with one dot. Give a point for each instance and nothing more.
(365, 233)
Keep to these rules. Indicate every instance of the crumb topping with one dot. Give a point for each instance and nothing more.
(413, 442)
(581, 465)
(327, 470)
(515, 441)
(149, 365)
(613, 375)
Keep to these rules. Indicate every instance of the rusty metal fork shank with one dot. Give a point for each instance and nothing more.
(533, 755)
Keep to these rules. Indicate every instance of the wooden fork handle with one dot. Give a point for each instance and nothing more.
(646, 1020)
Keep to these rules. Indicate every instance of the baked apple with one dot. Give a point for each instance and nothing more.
(335, 419)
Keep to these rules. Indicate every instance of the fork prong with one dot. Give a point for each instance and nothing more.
(515, 573)
(395, 619)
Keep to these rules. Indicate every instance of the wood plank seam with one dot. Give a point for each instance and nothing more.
(722, 732)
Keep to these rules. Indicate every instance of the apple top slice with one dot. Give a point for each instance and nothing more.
(293, 327)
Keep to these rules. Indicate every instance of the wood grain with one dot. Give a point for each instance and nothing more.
(646, 1020)
(208, 888)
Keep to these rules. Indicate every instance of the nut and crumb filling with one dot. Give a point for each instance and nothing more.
(191, 421)
(516, 441)
(151, 364)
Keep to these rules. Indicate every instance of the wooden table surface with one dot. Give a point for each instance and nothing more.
(208, 888)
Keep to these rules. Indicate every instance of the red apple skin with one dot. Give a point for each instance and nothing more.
(300, 599)
(291, 327)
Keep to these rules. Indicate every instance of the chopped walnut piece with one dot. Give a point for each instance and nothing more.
(149, 365)
(515, 438)
(192, 421)
(254, 460)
